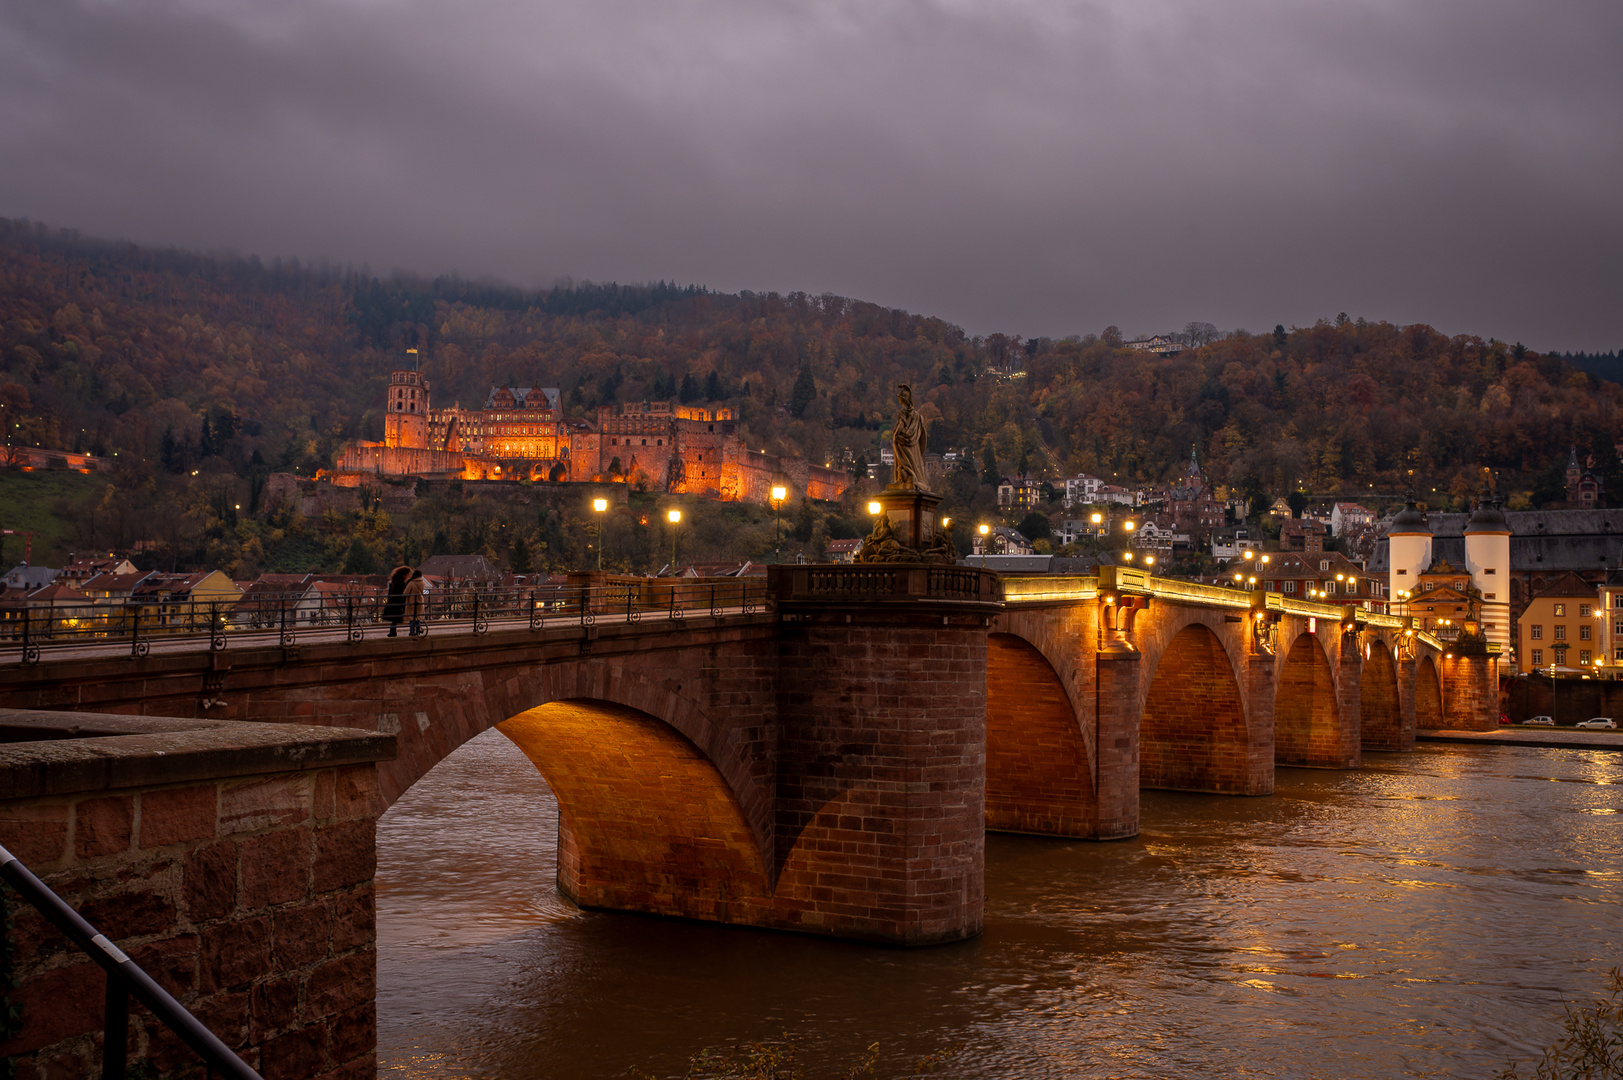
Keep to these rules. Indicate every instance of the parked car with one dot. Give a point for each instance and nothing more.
(1597, 722)
(1541, 721)
(1503, 719)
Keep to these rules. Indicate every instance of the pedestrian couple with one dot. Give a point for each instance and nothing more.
(405, 600)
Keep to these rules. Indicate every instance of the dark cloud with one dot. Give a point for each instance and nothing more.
(1033, 166)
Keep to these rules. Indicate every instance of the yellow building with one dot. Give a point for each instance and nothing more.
(1560, 627)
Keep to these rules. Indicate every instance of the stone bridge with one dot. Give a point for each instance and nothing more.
(831, 764)
(828, 764)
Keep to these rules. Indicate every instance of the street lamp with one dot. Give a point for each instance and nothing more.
(778, 495)
(874, 508)
(600, 506)
(1149, 560)
(675, 518)
(986, 531)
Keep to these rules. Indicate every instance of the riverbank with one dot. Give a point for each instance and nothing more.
(1560, 738)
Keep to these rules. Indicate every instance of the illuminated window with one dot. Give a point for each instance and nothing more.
(1560, 609)
(1538, 656)
(1583, 656)
(1538, 633)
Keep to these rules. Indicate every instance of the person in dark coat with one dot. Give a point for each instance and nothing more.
(394, 604)
(413, 601)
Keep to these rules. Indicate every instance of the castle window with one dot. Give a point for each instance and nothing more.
(1403, 573)
(1487, 569)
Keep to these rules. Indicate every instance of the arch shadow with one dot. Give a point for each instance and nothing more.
(1307, 719)
(1380, 709)
(1038, 774)
(1194, 735)
(1428, 693)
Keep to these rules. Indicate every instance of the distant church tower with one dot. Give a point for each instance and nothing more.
(405, 419)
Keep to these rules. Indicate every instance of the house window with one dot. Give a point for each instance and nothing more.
(1561, 632)
(1538, 656)
(1329, 588)
(1583, 632)
(1560, 610)
(1618, 653)
(1324, 565)
(1538, 633)
(1617, 628)
(1583, 656)
(1585, 610)
(1290, 586)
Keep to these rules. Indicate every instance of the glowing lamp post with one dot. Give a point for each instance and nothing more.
(986, 533)
(675, 518)
(600, 506)
(779, 493)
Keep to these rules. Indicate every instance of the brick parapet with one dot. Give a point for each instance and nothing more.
(248, 896)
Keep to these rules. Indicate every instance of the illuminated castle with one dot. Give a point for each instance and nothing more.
(522, 434)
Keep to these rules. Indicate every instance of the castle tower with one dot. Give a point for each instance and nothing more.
(1408, 555)
(405, 419)
(1487, 557)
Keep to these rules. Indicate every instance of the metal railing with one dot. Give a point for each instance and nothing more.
(135, 627)
(124, 980)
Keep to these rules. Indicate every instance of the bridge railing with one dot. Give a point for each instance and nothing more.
(137, 626)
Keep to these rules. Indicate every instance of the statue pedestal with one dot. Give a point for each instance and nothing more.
(911, 513)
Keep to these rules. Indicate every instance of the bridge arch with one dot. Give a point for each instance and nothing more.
(1307, 718)
(646, 822)
(1039, 768)
(1380, 710)
(446, 713)
(1194, 735)
(1428, 693)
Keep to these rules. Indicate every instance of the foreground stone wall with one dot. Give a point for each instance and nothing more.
(233, 862)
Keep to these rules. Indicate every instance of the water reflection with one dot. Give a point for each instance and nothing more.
(1421, 917)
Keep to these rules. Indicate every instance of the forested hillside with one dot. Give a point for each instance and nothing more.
(234, 368)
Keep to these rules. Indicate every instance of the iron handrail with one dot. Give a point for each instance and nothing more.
(286, 619)
(124, 978)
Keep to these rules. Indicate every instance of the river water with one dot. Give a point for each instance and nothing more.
(1423, 916)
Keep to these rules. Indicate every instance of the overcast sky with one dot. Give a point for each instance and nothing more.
(1025, 166)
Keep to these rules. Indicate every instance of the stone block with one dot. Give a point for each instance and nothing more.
(346, 854)
(354, 1032)
(275, 868)
(226, 1014)
(354, 919)
(302, 935)
(103, 826)
(179, 815)
(340, 985)
(36, 833)
(297, 1055)
(137, 911)
(235, 953)
(274, 1008)
(56, 1005)
(276, 802)
(171, 962)
(209, 882)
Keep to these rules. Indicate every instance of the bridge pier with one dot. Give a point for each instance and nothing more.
(881, 778)
(1118, 743)
(1470, 689)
